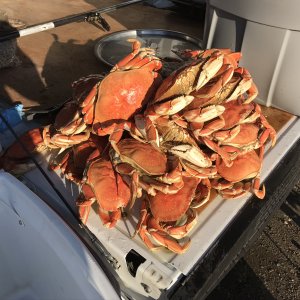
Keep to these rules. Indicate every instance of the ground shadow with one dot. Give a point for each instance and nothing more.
(43, 89)
(241, 283)
(65, 63)
(16, 70)
(291, 207)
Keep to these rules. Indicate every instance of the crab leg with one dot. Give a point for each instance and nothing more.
(109, 218)
(118, 131)
(216, 83)
(246, 85)
(209, 70)
(84, 203)
(171, 107)
(167, 241)
(227, 158)
(237, 190)
(180, 231)
(205, 114)
(256, 182)
(192, 154)
(202, 193)
(136, 46)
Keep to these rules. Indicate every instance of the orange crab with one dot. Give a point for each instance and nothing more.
(174, 94)
(242, 176)
(73, 161)
(245, 128)
(69, 127)
(123, 91)
(106, 187)
(168, 218)
(150, 169)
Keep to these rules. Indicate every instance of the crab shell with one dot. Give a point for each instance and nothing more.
(167, 208)
(123, 91)
(236, 112)
(68, 121)
(73, 161)
(246, 139)
(109, 189)
(244, 166)
(143, 157)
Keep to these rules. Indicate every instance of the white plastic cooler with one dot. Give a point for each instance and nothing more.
(268, 34)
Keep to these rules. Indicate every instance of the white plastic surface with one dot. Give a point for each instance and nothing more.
(40, 257)
(277, 13)
(163, 268)
(268, 35)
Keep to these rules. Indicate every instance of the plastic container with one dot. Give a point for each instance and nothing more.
(268, 35)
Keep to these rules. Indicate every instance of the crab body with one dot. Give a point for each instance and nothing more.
(244, 168)
(107, 188)
(123, 91)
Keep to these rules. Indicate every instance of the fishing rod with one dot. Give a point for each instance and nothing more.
(93, 16)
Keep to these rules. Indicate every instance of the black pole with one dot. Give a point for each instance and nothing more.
(63, 21)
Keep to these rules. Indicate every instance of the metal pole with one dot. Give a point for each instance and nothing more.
(65, 20)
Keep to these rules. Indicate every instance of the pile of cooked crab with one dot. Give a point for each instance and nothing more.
(133, 135)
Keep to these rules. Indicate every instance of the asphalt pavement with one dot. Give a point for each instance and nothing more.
(271, 268)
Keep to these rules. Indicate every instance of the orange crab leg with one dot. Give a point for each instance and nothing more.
(216, 83)
(109, 219)
(227, 135)
(118, 130)
(202, 193)
(136, 46)
(233, 58)
(147, 62)
(205, 114)
(84, 209)
(270, 130)
(143, 217)
(127, 169)
(180, 231)
(167, 241)
(209, 127)
(221, 185)
(256, 182)
(209, 69)
(226, 157)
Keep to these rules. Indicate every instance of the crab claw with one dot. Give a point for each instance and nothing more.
(173, 106)
(167, 241)
(192, 154)
(201, 115)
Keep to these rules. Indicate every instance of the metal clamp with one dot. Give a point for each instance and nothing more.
(96, 19)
